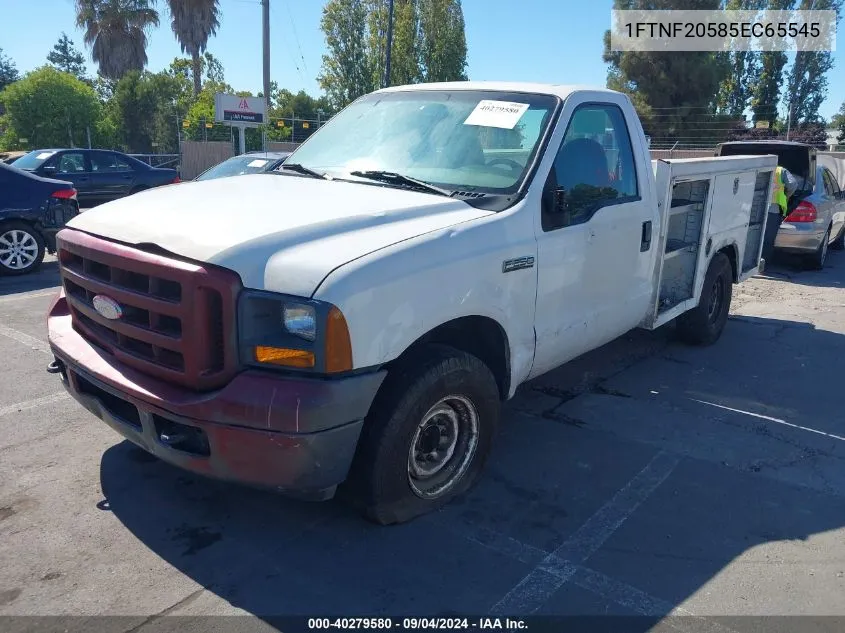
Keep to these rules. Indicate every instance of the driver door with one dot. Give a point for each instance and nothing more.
(595, 250)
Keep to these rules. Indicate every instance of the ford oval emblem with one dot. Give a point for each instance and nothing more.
(107, 307)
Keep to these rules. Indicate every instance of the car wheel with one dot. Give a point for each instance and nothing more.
(21, 248)
(427, 436)
(703, 324)
(816, 260)
(839, 242)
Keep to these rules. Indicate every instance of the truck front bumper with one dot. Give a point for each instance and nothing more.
(295, 435)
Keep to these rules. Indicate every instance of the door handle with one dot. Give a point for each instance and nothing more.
(645, 240)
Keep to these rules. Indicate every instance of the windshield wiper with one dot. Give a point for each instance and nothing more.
(401, 179)
(302, 169)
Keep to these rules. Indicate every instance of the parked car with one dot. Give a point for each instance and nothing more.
(10, 157)
(32, 210)
(249, 163)
(816, 211)
(356, 318)
(98, 175)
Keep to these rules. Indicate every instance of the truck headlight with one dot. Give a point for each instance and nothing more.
(300, 320)
(292, 332)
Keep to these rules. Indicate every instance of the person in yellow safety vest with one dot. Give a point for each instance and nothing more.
(784, 186)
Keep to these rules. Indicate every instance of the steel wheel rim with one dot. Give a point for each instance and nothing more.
(442, 447)
(715, 306)
(18, 249)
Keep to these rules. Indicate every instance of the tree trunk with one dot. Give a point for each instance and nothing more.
(197, 62)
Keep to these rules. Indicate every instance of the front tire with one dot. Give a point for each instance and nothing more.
(703, 324)
(427, 437)
(21, 248)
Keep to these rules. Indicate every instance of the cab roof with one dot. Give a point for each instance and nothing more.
(556, 90)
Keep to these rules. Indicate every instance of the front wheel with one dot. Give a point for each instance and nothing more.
(21, 249)
(427, 436)
(839, 242)
(703, 324)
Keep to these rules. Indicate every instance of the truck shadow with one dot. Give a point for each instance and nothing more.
(755, 422)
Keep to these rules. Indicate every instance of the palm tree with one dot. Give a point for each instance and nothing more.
(116, 31)
(193, 22)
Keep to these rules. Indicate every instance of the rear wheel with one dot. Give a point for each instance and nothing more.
(427, 436)
(21, 248)
(703, 324)
(839, 242)
(816, 260)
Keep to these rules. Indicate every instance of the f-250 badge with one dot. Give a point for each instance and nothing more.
(509, 265)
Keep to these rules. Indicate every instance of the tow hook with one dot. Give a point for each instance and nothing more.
(58, 367)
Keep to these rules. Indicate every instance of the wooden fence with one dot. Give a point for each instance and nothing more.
(197, 156)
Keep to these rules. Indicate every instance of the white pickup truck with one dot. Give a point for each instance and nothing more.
(355, 318)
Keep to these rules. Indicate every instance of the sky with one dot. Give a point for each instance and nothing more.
(549, 41)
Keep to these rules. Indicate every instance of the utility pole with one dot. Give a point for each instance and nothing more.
(789, 119)
(265, 24)
(389, 44)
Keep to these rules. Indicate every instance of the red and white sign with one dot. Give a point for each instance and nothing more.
(235, 110)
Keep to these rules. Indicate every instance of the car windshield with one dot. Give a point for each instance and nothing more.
(246, 164)
(33, 160)
(464, 140)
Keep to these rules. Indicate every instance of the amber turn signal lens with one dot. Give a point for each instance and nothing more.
(338, 345)
(282, 356)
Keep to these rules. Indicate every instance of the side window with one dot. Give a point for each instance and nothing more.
(595, 163)
(828, 184)
(834, 186)
(108, 162)
(69, 163)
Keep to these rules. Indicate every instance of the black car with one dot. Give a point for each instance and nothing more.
(98, 175)
(249, 163)
(32, 210)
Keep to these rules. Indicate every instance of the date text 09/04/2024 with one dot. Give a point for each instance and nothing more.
(416, 624)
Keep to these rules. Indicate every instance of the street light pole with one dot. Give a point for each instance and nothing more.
(389, 44)
(265, 24)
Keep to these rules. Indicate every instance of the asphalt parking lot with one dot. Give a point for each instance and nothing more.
(645, 478)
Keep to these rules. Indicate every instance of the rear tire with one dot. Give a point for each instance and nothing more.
(21, 249)
(839, 243)
(427, 436)
(817, 260)
(703, 324)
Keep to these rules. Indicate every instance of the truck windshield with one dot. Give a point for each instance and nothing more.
(459, 140)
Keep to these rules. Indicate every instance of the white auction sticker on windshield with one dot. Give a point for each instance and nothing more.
(44, 155)
(503, 114)
(258, 163)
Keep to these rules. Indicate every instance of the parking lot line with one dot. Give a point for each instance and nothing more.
(32, 295)
(557, 568)
(34, 403)
(26, 339)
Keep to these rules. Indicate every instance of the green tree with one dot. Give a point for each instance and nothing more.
(116, 31)
(765, 96)
(210, 67)
(838, 122)
(8, 71)
(201, 114)
(443, 46)
(675, 94)
(405, 59)
(193, 22)
(346, 72)
(144, 111)
(742, 69)
(67, 58)
(49, 108)
(806, 85)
